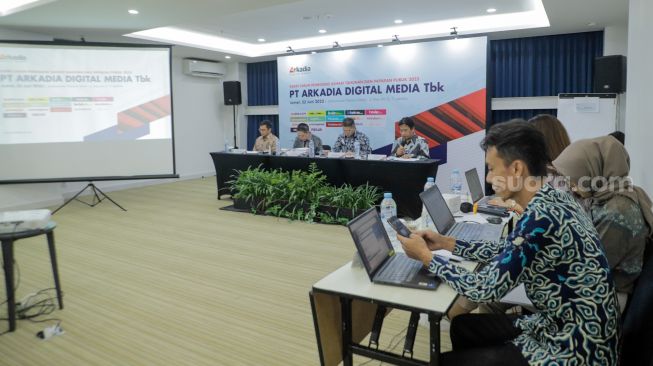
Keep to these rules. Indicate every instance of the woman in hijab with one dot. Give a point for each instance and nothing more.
(621, 212)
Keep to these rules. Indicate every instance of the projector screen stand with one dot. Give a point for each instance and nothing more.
(98, 196)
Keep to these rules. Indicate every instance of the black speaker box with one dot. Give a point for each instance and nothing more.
(232, 93)
(610, 74)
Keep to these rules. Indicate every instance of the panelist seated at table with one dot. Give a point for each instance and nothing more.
(409, 145)
(267, 142)
(346, 141)
(554, 250)
(304, 136)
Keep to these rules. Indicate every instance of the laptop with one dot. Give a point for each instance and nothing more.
(382, 263)
(447, 225)
(478, 197)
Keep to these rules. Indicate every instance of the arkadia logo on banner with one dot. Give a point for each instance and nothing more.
(7, 57)
(294, 69)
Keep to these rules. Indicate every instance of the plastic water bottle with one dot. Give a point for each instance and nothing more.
(427, 222)
(456, 182)
(357, 151)
(311, 148)
(226, 144)
(388, 209)
(277, 148)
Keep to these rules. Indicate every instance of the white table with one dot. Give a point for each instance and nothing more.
(348, 292)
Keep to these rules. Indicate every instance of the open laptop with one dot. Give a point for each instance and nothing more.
(447, 225)
(478, 197)
(382, 263)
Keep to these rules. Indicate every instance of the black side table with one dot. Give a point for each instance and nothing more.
(8, 240)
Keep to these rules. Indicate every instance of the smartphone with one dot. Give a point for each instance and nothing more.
(399, 226)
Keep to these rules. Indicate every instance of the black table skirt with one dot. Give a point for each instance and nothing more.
(404, 179)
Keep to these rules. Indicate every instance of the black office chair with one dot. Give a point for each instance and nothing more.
(637, 333)
(326, 147)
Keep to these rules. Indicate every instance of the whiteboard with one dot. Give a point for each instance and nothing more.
(588, 115)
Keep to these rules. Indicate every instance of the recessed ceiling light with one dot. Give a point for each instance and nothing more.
(591, 24)
(322, 31)
(227, 56)
(534, 17)
(379, 45)
(313, 52)
(261, 39)
(132, 11)
(398, 21)
(491, 10)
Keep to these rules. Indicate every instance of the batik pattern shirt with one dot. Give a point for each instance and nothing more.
(623, 232)
(346, 144)
(416, 147)
(556, 253)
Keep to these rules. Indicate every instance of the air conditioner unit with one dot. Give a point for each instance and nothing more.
(203, 68)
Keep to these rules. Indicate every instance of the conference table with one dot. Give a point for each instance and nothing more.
(405, 179)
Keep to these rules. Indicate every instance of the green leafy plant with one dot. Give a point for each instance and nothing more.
(302, 195)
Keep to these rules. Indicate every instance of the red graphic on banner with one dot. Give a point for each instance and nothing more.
(453, 120)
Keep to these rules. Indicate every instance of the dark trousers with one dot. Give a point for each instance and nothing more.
(483, 339)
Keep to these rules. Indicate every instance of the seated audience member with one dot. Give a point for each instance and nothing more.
(345, 142)
(598, 173)
(554, 251)
(619, 136)
(556, 139)
(409, 145)
(267, 142)
(304, 135)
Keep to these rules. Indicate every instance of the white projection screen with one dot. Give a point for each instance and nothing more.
(84, 112)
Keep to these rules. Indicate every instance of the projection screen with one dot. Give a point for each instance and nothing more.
(83, 112)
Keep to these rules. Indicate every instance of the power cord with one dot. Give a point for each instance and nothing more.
(391, 347)
(36, 305)
(17, 279)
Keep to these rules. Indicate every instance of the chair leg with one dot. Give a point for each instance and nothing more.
(55, 268)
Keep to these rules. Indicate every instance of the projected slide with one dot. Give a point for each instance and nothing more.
(85, 111)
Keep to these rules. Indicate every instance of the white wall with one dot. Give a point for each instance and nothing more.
(615, 42)
(199, 123)
(639, 128)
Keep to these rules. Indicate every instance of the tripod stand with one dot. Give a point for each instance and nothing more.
(96, 198)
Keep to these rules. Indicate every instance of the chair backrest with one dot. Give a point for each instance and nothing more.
(637, 331)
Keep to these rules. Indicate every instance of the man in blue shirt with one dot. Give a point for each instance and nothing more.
(554, 251)
(346, 142)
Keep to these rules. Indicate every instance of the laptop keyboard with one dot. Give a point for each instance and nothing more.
(401, 269)
(472, 231)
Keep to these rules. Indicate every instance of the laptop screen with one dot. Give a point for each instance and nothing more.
(474, 184)
(438, 209)
(371, 239)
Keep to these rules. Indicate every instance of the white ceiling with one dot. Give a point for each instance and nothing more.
(279, 20)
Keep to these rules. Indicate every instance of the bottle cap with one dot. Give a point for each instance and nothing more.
(387, 195)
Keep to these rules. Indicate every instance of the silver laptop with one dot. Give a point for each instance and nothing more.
(475, 188)
(447, 225)
(382, 264)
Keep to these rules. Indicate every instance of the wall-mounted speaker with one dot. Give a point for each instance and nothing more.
(610, 74)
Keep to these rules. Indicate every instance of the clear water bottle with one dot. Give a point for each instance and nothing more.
(427, 222)
(311, 148)
(357, 151)
(226, 144)
(456, 182)
(388, 209)
(277, 148)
